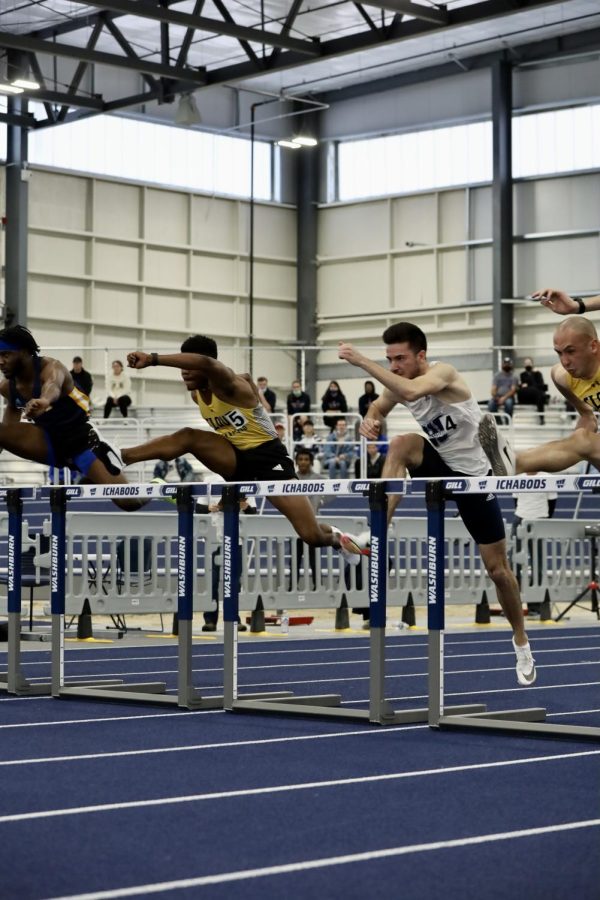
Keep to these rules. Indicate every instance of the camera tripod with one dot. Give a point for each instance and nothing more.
(593, 586)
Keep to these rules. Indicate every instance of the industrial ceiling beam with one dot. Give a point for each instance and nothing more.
(33, 45)
(148, 10)
(406, 8)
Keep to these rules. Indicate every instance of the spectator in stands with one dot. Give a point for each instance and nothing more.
(532, 388)
(367, 398)
(268, 398)
(304, 470)
(504, 388)
(375, 461)
(333, 400)
(119, 388)
(281, 432)
(309, 441)
(298, 405)
(298, 401)
(83, 380)
(339, 451)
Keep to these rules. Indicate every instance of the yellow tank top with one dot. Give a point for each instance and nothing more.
(587, 389)
(243, 427)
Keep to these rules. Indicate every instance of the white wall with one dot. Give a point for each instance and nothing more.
(124, 266)
(369, 278)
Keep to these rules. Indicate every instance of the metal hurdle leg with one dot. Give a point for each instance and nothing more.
(106, 689)
(380, 709)
(528, 721)
(16, 682)
(275, 701)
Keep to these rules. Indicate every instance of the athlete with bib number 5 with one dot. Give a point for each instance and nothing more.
(440, 400)
(243, 445)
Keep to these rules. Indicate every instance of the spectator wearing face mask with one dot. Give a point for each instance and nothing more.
(504, 388)
(298, 401)
(532, 388)
(333, 400)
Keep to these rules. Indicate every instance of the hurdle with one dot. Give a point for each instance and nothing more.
(13, 681)
(530, 721)
(380, 711)
(145, 692)
(187, 696)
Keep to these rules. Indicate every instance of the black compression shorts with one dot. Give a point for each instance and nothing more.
(480, 512)
(268, 462)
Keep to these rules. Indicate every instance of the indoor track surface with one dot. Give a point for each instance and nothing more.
(101, 799)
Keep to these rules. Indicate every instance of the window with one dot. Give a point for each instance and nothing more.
(131, 149)
(421, 160)
(564, 140)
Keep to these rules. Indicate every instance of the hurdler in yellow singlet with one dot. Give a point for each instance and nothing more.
(587, 389)
(243, 427)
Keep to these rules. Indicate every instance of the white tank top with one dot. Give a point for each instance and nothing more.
(452, 428)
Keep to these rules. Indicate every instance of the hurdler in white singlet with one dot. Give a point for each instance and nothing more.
(452, 429)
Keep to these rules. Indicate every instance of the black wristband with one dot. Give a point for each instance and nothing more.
(154, 359)
(581, 306)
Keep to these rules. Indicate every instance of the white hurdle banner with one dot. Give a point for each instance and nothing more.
(288, 488)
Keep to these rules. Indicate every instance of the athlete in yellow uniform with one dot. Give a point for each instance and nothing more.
(243, 445)
(577, 377)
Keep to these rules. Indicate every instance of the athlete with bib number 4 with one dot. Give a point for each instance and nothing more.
(439, 399)
(243, 445)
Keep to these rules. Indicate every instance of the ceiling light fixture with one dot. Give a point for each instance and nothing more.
(10, 89)
(26, 84)
(293, 145)
(305, 141)
(187, 111)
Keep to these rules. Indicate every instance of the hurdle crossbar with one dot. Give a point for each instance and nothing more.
(530, 721)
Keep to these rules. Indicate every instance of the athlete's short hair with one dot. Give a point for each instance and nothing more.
(406, 333)
(199, 343)
(305, 452)
(17, 337)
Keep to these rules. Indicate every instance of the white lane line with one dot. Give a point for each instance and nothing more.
(188, 748)
(189, 712)
(194, 747)
(284, 647)
(448, 672)
(329, 861)
(286, 788)
(410, 697)
(476, 693)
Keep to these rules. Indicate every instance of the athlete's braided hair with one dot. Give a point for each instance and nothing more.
(21, 338)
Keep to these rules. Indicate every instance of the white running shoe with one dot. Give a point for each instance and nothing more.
(107, 453)
(352, 547)
(499, 452)
(526, 673)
